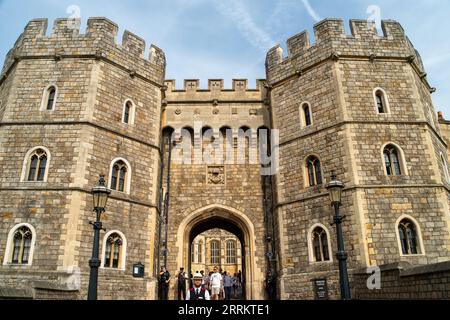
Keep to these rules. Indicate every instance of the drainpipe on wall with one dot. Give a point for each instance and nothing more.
(167, 201)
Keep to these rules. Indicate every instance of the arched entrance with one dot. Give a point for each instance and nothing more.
(233, 221)
(226, 225)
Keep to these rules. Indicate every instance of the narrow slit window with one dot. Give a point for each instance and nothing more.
(51, 96)
(307, 115)
(381, 102)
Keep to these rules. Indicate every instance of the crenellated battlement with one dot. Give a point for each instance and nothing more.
(216, 90)
(99, 40)
(331, 40)
(214, 85)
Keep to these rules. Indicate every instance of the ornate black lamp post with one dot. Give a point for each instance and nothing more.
(335, 188)
(100, 196)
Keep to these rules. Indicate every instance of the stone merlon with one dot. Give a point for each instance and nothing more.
(215, 91)
(99, 40)
(331, 41)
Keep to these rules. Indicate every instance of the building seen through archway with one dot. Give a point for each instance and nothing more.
(218, 247)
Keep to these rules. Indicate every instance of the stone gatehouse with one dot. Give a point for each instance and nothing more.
(181, 161)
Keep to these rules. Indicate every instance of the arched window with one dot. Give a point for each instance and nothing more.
(381, 101)
(320, 245)
(37, 166)
(199, 252)
(113, 252)
(120, 176)
(307, 115)
(392, 160)
(231, 252)
(49, 98)
(20, 245)
(445, 168)
(128, 112)
(314, 171)
(408, 235)
(215, 252)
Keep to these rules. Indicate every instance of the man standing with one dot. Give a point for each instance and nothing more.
(228, 285)
(181, 284)
(198, 292)
(164, 280)
(216, 283)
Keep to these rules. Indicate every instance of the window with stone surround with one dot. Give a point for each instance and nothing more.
(120, 174)
(114, 250)
(35, 165)
(215, 252)
(49, 97)
(20, 245)
(394, 160)
(128, 115)
(313, 171)
(409, 237)
(381, 101)
(320, 245)
(231, 252)
(306, 115)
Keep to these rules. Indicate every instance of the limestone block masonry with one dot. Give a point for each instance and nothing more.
(112, 103)
(94, 76)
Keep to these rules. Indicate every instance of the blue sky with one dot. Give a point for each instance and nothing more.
(228, 39)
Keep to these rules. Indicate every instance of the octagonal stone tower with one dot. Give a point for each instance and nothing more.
(64, 96)
(342, 102)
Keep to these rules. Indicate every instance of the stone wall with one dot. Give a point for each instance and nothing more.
(84, 133)
(238, 198)
(337, 76)
(95, 76)
(402, 281)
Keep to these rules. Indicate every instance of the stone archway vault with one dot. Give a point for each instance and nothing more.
(254, 276)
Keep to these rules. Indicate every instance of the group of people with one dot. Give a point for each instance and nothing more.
(217, 285)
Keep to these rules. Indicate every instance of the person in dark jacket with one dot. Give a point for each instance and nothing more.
(164, 280)
(181, 284)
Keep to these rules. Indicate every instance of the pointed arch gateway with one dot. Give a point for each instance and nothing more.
(231, 220)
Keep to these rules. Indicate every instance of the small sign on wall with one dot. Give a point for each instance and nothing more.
(138, 270)
(320, 289)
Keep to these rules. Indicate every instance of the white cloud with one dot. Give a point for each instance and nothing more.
(311, 11)
(237, 12)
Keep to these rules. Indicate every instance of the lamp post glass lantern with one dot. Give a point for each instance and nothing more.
(100, 197)
(335, 188)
